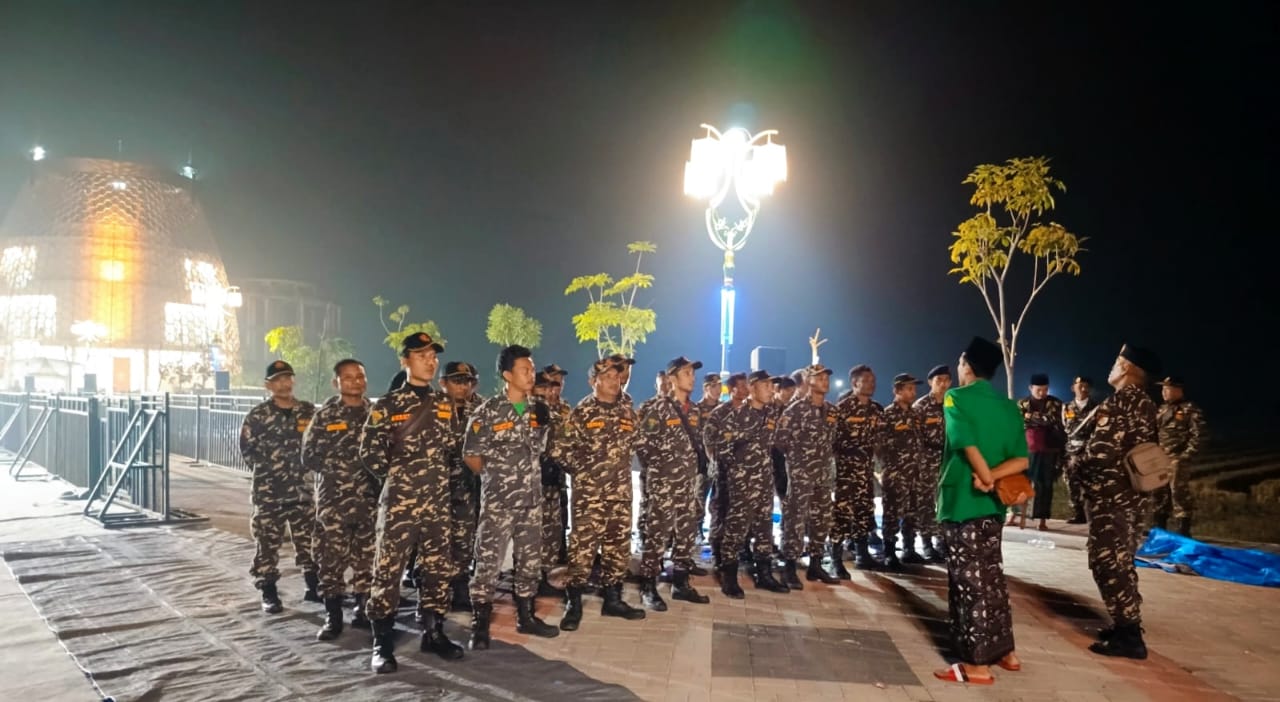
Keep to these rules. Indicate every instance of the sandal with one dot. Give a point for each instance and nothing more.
(956, 674)
(1010, 665)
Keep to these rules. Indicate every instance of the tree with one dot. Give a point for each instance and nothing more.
(393, 323)
(1020, 191)
(612, 320)
(312, 365)
(510, 325)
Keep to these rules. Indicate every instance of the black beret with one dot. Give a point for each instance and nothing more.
(1039, 378)
(983, 356)
(1145, 359)
(937, 371)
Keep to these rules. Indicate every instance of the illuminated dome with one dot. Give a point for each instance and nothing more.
(110, 268)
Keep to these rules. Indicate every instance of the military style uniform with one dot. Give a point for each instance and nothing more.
(900, 451)
(271, 443)
(1074, 416)
(346, 497)
(464, 500)
(713, 425)
(668, 447)
(804, 436)
(413, 454)
(1043, 420)
(859, 431)
(706, 477)
(1183, 435)
(553, 492)
(511, 443)
(933, 435)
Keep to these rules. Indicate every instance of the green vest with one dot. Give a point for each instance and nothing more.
(976, 415)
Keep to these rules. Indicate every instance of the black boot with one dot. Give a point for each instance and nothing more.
(384, 646)
(892, 562)
(460, 599)
(837, 562)
(480, 614)
(313, 582)
(683, 591)
(815, 573)
(332, 620)
(358, 618)
(875, 543)
(729, 581)
(764, 579)
(1125, 641)
(615, 606)
(572, 609)
(789, 576)
(546, 589)
(528, 623)
(1182, 525)
(695, 570)
(909, 555)
(270, 598)
(931, 554)
(1077, 517)
(434, 639)
(862, 558)
(649, 595)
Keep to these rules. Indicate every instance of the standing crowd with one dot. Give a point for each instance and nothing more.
(431, 488)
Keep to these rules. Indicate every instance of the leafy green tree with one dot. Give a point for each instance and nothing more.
(510, 325)
(1013, 198)
(312, 365)
(612, 320)
(394, 323)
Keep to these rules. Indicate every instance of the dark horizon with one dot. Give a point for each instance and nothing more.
(454, 159)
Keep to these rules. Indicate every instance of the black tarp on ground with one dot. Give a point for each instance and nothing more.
(169, 614)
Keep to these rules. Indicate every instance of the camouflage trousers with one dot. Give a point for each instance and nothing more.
(463, 516)
(1174, 500)
(500, 525)
(701, 494)
(806, 511)
(413, 510)
(268, 524)
(665, 513)
(854, 505)
(927, 494)
(1114, 529)
(748, 510)
(977, 594)
(903, 505)
(346, 535)
(603, 526)
(552, 526)
(1075, 484)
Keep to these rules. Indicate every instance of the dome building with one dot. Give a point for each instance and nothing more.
(109, 273)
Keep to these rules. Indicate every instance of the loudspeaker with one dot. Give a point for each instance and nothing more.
(222, 382)
(770, 358)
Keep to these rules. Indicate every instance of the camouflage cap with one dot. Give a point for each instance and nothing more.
(815, 369)
(761, 375)
(459, 370)
(278, 368)
(710, 378)
(419, 340)
(783, 382)
(1173, 381)
(619, 358)
(605, 365)
(553, 369)
(679, 362)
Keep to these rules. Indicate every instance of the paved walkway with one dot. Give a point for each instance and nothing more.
(877, 637)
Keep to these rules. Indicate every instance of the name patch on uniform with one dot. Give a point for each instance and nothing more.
(857, 420)
(597, 424)
(693, 421)
(625, 426)
(673, 422)
(503, 426)
(303, 424)
(444, 414)
(400, 417)
(901, 427)
(340, 426)
(933, 420)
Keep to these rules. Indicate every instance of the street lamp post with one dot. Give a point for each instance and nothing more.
(750, 166)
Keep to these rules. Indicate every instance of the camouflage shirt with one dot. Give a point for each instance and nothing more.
(707, 404)
(746, 434)
(1183, 433)
(1124, 420)
(664, 447)
(596, 448)
(389, 450)
(553, 473)
(271, 444)
(805, 432)
(933, 428)
(511, 445)
(902, 436)
(1073, 423)
(712, 427)
(1043, 419)
(859, 428)
(331, 448)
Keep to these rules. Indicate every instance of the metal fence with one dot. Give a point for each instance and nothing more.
(69, 442)
(206, 428)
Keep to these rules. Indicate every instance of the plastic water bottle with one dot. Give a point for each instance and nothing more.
(1046, 544)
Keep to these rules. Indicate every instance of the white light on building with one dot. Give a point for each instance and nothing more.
(38, 153)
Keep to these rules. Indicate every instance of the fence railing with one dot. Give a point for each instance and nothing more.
(206, 428)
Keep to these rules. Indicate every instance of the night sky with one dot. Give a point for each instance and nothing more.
(453, 158)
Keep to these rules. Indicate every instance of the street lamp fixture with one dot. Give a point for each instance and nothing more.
(38, 153)
(750, 166)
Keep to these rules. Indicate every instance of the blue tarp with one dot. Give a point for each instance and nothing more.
(1175, 553)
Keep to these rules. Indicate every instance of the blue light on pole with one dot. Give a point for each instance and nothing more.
(748, 165)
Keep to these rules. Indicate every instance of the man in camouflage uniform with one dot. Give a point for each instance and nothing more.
(901, 452)
(1183, 436)
(1042, 415)
(711, 386)
(741, 443)
(504, 443)
(411, 434)
(459, 381)
(859, 431)
(713, 426)
(804, 437)
(346, 496)
(596, 450)
(271, 444)
(668, 449)
(784, 389)
(624, 377)
(933, 434)
(1116, 510)
(1074, 416)
(547, 388)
